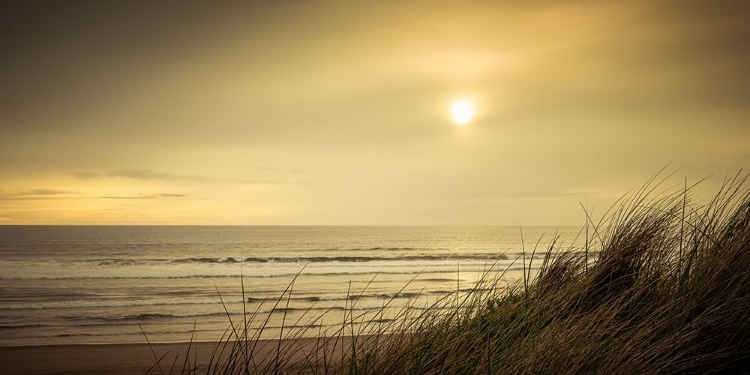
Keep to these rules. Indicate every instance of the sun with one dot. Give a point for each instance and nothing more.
(462, 111)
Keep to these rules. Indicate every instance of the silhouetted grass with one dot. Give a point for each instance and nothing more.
(662, 285)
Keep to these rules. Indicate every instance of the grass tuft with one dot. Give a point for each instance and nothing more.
(662, 285)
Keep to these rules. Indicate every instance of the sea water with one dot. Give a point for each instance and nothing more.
(96, 284)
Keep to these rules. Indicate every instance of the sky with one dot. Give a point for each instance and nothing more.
(338, 112)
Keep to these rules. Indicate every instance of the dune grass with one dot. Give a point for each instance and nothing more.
(661, 285)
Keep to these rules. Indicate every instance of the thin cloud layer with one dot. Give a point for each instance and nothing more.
(36, 194)
(135, 173)
(322, 113)
(146, 196)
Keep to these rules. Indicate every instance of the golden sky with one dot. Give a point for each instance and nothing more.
(311, 112)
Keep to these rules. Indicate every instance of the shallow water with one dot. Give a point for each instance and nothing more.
(93, 284)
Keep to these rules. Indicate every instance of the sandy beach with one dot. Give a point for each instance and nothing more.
(122, 358)
(93, 359)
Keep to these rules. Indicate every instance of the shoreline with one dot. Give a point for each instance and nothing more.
(121, 359)
(93, 358)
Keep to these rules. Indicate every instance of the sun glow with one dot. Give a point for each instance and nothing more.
(462, 111)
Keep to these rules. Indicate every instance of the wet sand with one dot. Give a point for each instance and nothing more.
(129, 358)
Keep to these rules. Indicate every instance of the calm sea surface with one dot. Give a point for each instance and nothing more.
(93, 284)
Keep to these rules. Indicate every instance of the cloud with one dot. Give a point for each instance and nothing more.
(36, 194)
(135, 173)
(147, 174)
(281, 169)
(145, 196)
(45, 192)
(151, 175)
(85, 175)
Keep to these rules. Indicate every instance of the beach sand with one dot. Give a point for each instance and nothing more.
(125, 358)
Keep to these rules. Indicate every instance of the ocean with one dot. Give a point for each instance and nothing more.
(95, 284)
